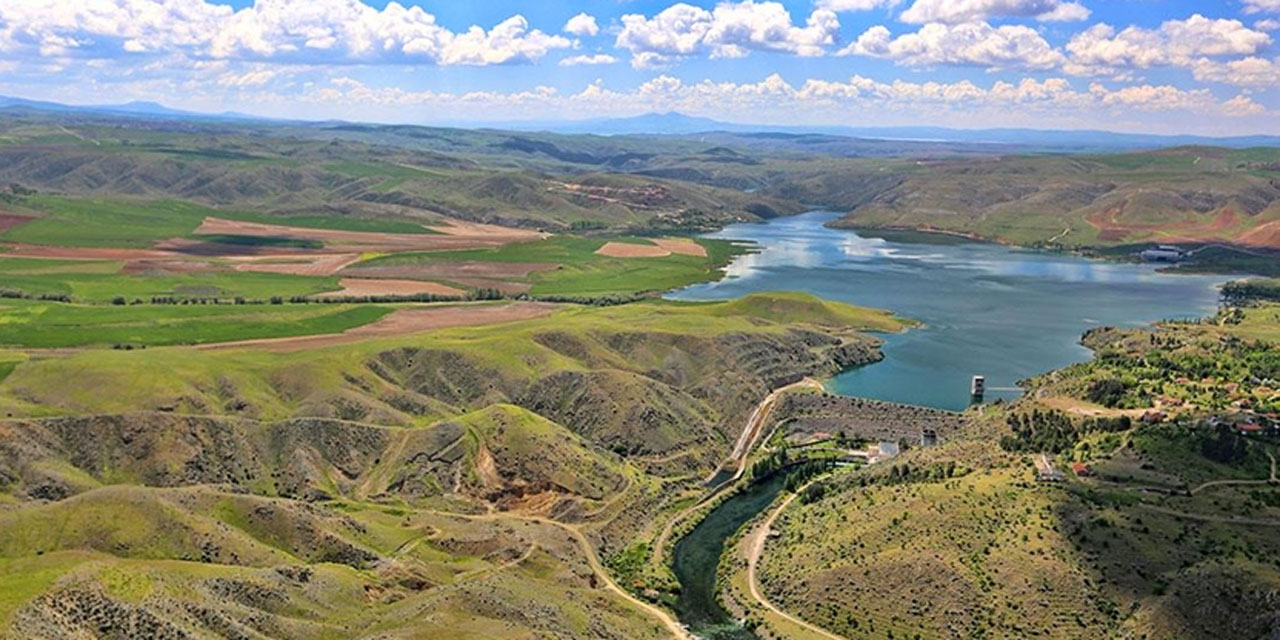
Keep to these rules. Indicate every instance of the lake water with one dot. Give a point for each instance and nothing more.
(987, 309)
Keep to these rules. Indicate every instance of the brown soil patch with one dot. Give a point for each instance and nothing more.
(505, 286)
(453, 235)
(404, 322)
(454, 270)
(624, 250)
(135, 267)
(87, 253)
(1263, 235)
(681, 246)
(11, 220)
(360, 287)
(300, 264)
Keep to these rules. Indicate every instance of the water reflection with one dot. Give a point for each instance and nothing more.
(988, 309)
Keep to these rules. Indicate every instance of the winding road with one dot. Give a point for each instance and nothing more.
(755, 549)
(589, 552)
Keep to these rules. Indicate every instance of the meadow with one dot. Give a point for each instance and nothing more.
(38, 324)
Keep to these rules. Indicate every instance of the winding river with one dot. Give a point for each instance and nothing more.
(986, 309)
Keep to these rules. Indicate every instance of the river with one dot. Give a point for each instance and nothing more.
(986, 309)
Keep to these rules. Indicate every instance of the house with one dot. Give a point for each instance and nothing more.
(1154, 416)
(884, 451)
(1163, 253)
(1248, 427)
(1081, 470)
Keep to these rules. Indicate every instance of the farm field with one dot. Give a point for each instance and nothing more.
(47, 325)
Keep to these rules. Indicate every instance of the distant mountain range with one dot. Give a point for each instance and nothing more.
(679, 124)
(673, 123)
(135, 108)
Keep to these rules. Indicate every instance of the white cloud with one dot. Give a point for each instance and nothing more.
(248, 79)
(1052, 100)
(295, 31)
(1242, 105)
(1101, 50)
(1267, 24)
(1245, 72)
(582, 25)
(841, 6)
(730, 30)
(1259, 6)
(957, 11)
(599, 58)
(974, 43)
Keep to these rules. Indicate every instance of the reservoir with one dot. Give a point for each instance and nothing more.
(986, 309)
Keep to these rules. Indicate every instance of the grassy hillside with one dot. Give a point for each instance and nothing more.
(1192, 196)
(461, 483)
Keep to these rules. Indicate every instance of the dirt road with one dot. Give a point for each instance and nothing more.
(741, 449)
(755, 542)
(589, 552)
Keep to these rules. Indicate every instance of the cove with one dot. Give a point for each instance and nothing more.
(986, 309)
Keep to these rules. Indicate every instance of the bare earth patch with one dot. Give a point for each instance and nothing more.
(87, 253)
(299, 264)
(624, 250)
(452, 235)
(159, 267)
(11, 220)
(404, 322)
(681, 246)
(454, 270)
(361, 287)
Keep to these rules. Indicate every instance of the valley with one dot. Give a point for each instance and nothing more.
(327, 380)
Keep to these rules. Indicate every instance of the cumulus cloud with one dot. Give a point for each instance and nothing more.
(295, 31)
(1245, 72)
(582, 25)
(730, 30)
(1260, 6)
(957, 11)
(1267, 24)
(1101, 50)
(599, 58)
(841, 6)
(1242, 105)
(974, 43)
(820, 100)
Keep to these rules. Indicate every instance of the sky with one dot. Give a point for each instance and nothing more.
(1158, 66)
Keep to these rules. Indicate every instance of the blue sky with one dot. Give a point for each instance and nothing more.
(1138, 65)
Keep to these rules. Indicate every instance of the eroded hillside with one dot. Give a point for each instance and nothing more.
(462, 481)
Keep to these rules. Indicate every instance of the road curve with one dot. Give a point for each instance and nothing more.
(755, 548)
(588, 550)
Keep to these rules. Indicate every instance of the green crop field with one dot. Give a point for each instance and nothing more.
(102, 281)
(102, 222)
(50, 325)
(580, 271)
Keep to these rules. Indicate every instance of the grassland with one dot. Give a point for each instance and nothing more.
(32, 324)
(101, 281)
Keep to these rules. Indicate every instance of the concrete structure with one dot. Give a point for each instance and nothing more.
(1163, 253)
(978, 388)
(928, 438)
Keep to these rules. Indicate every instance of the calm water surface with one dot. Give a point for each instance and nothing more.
(987, 309)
